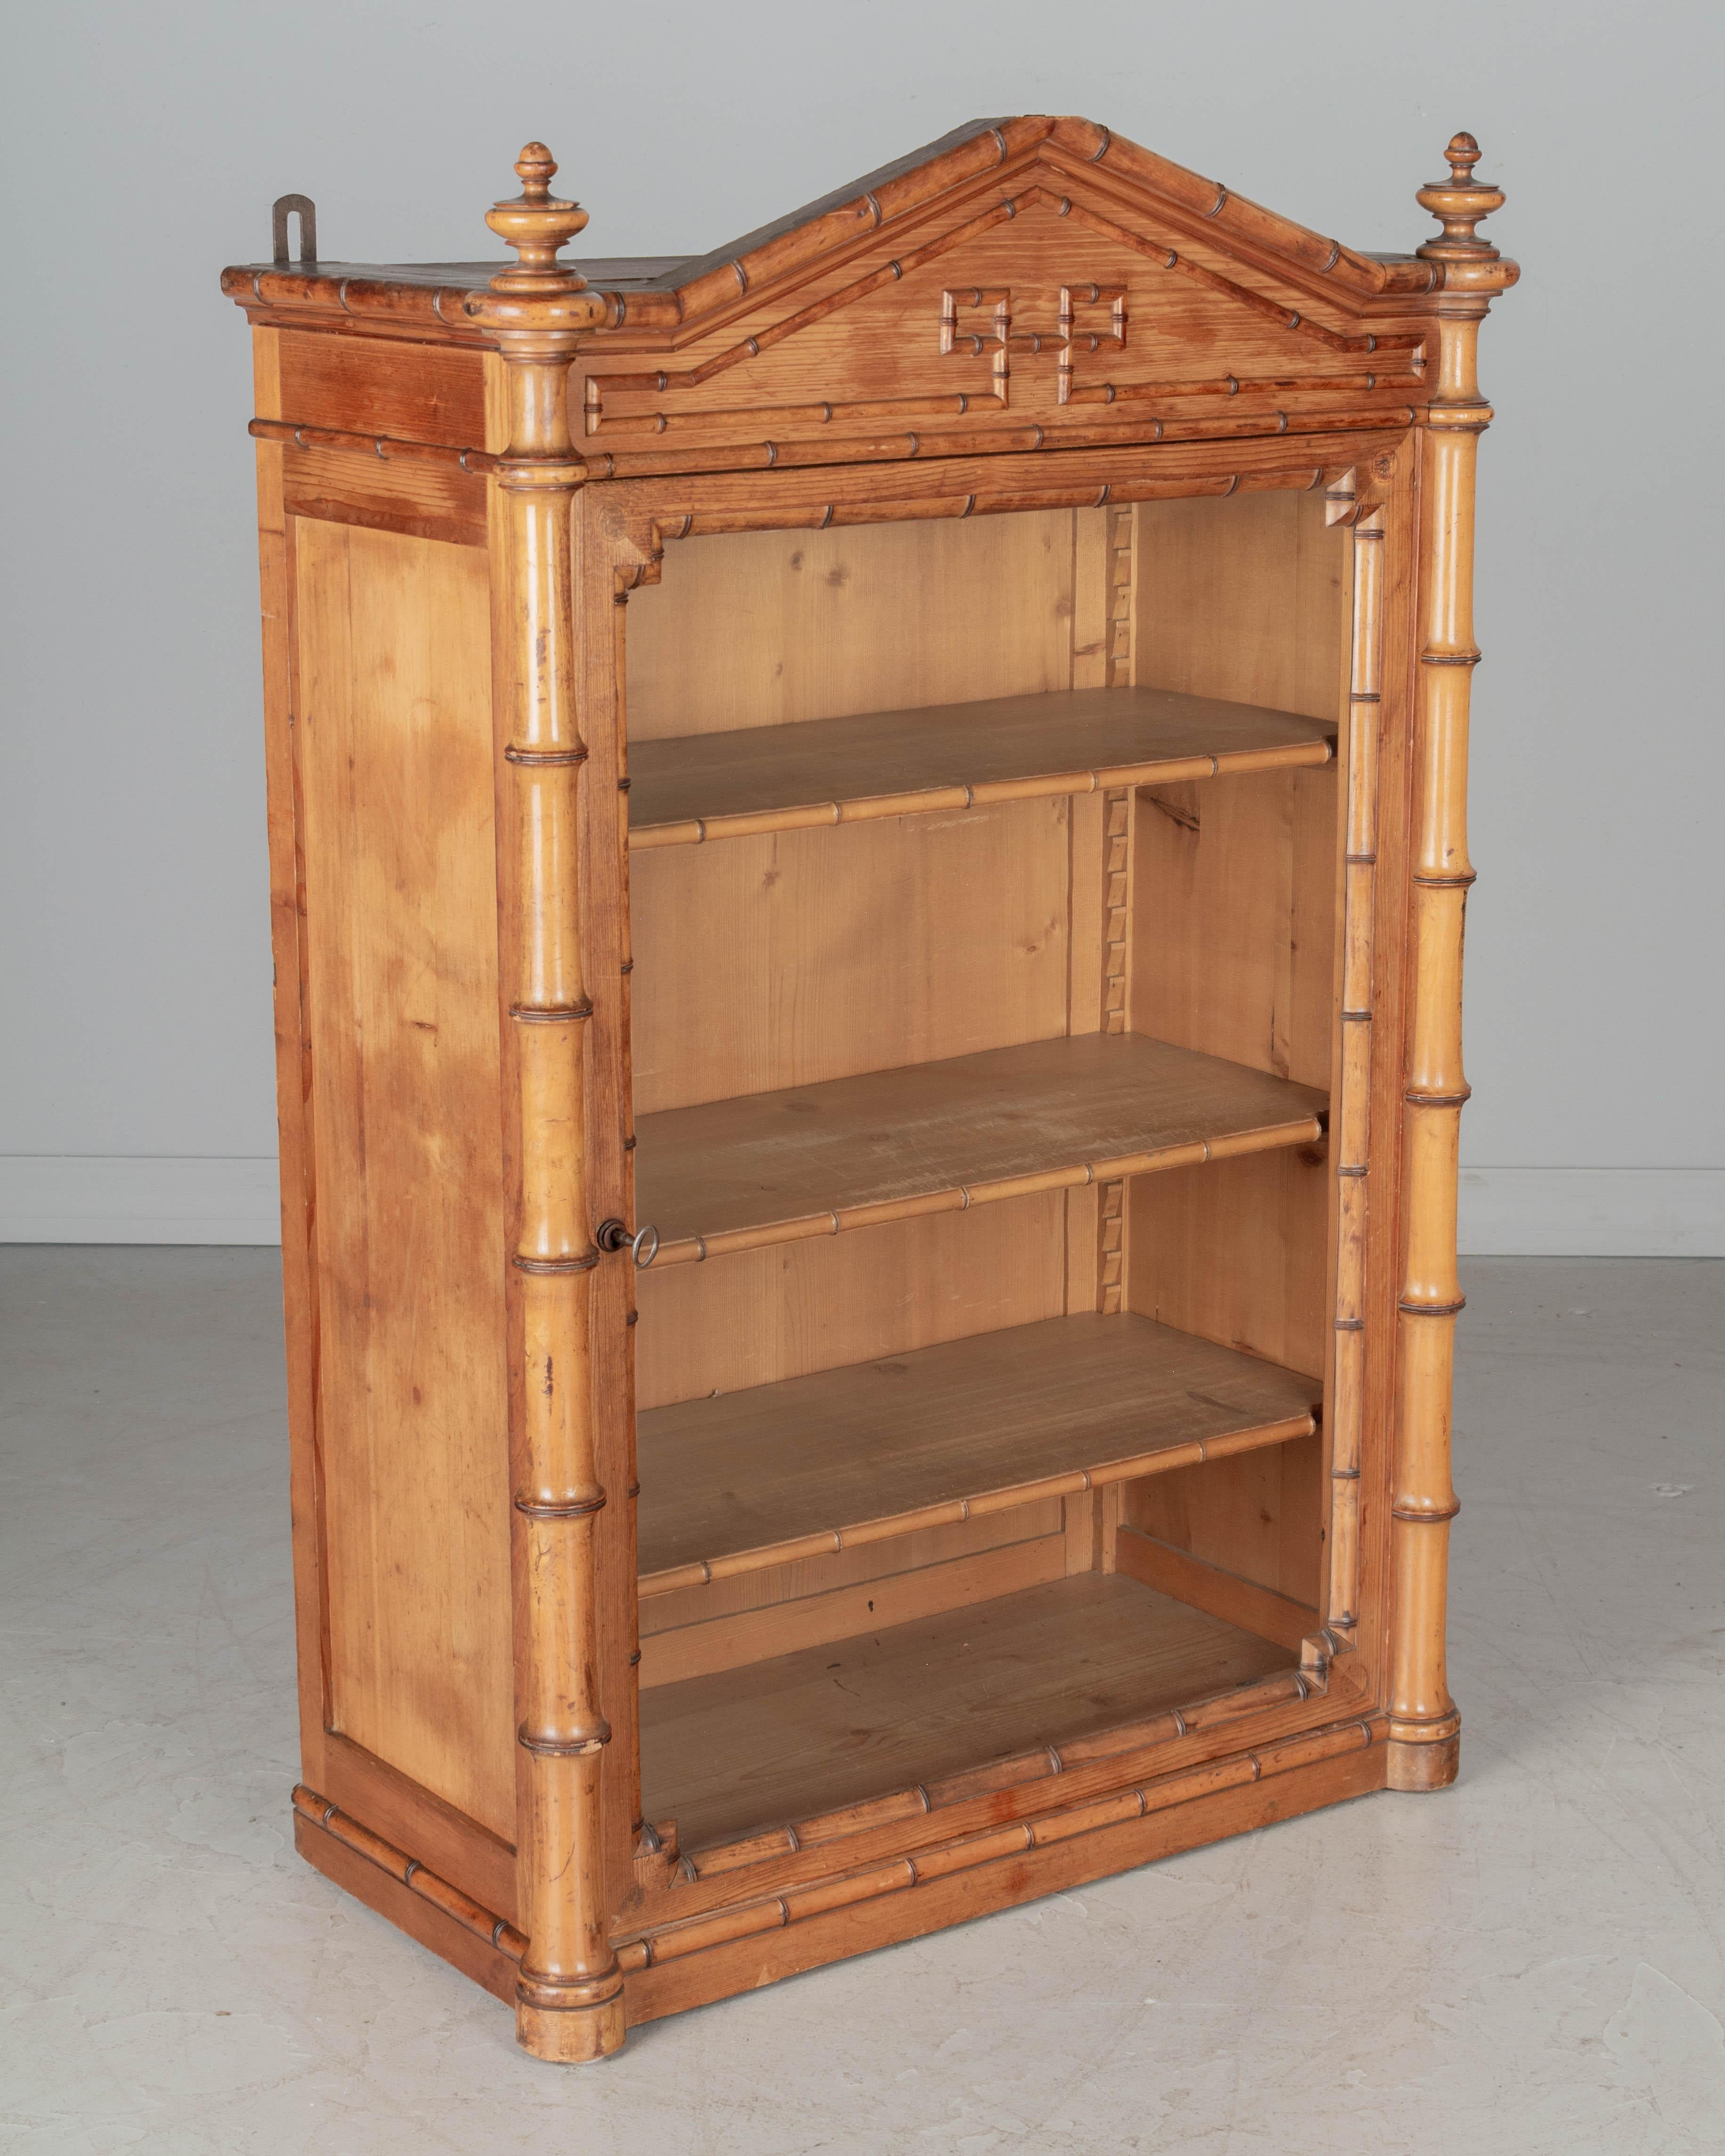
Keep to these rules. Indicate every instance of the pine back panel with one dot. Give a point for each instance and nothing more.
(760, 629)
(806, 955)
(793, 1308)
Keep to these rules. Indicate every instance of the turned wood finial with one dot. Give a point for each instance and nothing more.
(1459, 203)
(536, 223)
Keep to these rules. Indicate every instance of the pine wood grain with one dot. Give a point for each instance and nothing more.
(1243, 598)
(1235, 894)
(789, 959)
(967, 1423)
(1234, 1251)
(750, 629)
(379, 387)
(779, 1628)
(790, 1308)
(399, 493)
(1049, 1107)
(1258, 1515)
(804, 1734)
(396, 821)
(830, 771)
(794, 1579)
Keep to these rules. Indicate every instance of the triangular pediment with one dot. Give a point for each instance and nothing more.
(1030, 273)
(987, 155)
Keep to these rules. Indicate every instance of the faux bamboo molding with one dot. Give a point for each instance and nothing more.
(911, 447)
(1328, 1685)
(1350, 1121)
(384, 447)
(1424, 1722)
(1014, 1786)
(741, 1919)
(977, 157)
(817, 815)
(707, 505)
(485, 1924)
(958, 1197)
(568, 2000)
(915, 445)
(673, 1940)
(997, 340)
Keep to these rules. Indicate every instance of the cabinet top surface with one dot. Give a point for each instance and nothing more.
(1115, 207)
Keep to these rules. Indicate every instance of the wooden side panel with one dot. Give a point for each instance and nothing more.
(1244, 598)
(1235, 1251)
(1234, 891)
(755, 629)
(794, 1307)
(807, 955)
(419, 499)
(1234, 904)
(395, 791)
(293, 1105)
(1256, 1514)
(1171, 1569)
(413, 392)
(1238, 1252)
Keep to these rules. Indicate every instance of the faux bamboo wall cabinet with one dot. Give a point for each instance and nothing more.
(868, 862)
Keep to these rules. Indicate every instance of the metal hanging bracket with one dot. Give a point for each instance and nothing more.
(287, 206)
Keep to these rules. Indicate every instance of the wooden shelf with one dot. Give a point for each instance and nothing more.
(777, 1472)
(950, 755)
(813, 1160)
(837, 1725)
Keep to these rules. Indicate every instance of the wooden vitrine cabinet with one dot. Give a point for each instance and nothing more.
(868, 856)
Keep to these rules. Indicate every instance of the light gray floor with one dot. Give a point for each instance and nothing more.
(1530, 1962)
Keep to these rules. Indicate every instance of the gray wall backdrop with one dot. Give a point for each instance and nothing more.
(145, 144)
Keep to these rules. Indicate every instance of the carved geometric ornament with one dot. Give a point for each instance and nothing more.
(978, 321)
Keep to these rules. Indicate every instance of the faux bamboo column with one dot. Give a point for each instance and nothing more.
(1424, 1725)
(1350, 1133)
(569, 1996)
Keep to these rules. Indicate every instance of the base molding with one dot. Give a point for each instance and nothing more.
(760, 1940)
(368, 1868)
(745, 1963)
(408, 1815)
